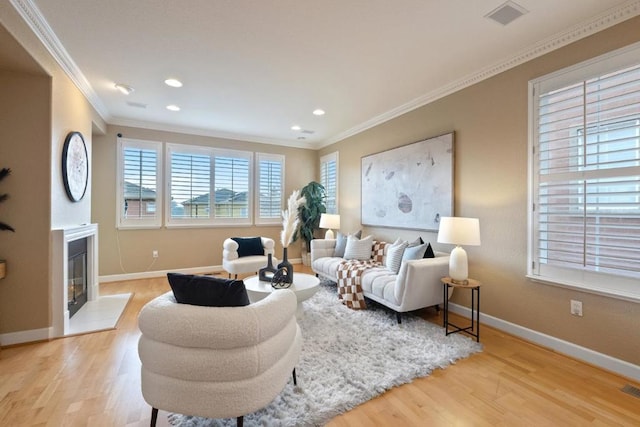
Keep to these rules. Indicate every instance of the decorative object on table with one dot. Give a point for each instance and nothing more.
(309, 213)
(409, 186)
(265, 274)
(459, 231)
(75, 166)
(417, 349)
(329, 221)
(290, 223)
(280, 279)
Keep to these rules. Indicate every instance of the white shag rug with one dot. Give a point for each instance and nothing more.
(349, 357)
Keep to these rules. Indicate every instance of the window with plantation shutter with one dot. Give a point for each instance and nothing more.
(585, 165)
(139, 183)
(208, 186)
(329, 179)
(269, 188)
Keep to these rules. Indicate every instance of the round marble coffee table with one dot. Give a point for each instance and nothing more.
(304, 286)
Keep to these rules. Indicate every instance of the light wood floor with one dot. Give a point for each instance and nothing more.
(94, 380)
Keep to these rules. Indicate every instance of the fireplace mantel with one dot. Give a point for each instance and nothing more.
(59, 296)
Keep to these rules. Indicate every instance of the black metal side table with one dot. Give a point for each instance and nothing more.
(474, 286)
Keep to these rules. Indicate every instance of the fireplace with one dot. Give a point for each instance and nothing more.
(74, 273)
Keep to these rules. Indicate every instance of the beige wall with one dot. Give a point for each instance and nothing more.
(40, 105)
(129, 251)
(24, 147)
(490, 124)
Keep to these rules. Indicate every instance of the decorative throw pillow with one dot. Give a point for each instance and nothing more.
(341, 243)
(414, 252)
(358, 248)
(208, 291)
(394, 255)
(248, 246)
(429, 252)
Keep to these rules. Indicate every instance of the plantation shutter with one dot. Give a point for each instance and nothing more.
(329, 179)
(270, 187)
(232, 186)
(587, 169)
(138, 184)
(190, 185)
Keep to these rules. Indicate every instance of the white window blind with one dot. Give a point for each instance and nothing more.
(269, 188)
(232, 177)
(190, 180)
(139, 181)
(586, 179)
(329, 179)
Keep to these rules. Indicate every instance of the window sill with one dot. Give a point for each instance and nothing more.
(605, 291)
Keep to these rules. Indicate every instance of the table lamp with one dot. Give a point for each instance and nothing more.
(329, 221)
(459, 231)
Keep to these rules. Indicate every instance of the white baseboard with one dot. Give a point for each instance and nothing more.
(161, 273)
(603, 361)
(20, 337)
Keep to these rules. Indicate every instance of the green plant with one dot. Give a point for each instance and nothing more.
(310, 211)
(4, 172)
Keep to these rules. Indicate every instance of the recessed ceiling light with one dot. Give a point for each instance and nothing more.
(173, 108)
(295, 127)
(126, 89)
(318, 112)
(173, 82)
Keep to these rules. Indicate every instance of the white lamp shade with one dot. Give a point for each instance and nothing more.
(459, 231)
(329, 221)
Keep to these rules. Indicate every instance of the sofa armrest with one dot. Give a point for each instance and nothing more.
(269, 245)
(229, 249)
(418, 282)
(322, 248)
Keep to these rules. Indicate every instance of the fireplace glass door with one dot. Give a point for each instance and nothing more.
(77, 275)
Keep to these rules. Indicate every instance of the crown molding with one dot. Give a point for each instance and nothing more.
(36, 21)
(598, 23)
(141, 124)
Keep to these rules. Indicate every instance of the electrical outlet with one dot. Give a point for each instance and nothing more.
(576, 308)
(155, 254)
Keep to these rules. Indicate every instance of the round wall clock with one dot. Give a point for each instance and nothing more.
(75, 166)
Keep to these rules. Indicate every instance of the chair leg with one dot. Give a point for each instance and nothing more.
(229, 275)
(399, 317)
(295, 382)
(154, 416)
(240, 421)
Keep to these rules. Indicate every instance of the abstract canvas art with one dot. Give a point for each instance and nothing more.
(410, 186)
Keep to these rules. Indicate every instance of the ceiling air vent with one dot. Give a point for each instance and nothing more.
(308, 132)
(136, 104)
(506, 13)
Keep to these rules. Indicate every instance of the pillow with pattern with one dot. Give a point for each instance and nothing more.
(359, 249)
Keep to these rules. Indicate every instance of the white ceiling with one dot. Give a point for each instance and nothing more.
(253, 68)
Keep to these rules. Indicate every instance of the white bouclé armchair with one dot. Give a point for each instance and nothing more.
(234, 260)
(217, 362)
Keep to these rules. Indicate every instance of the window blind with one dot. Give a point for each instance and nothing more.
(270, 180)
(329, 179)
(232, 186)
(139, 179)
(190, 185)
(587, 206)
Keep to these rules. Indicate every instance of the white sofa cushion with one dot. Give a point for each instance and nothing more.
(358, 248)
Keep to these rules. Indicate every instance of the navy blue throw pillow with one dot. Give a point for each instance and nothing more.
(248, 246)
(429, 252)
(207, 290)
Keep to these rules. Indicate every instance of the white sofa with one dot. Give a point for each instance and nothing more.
(417, 284)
